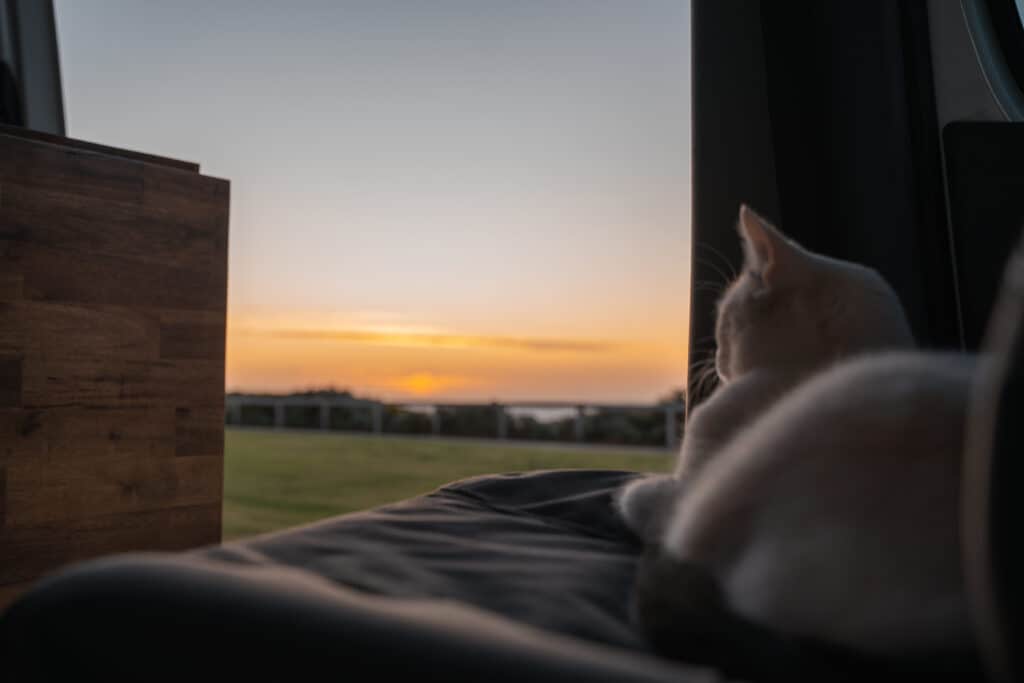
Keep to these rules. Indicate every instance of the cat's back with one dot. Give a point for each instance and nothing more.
(730, 409)
(840, 504)
(856, 406)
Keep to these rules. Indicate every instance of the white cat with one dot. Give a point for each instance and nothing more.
(789, 314)
(821, 496)
(835, 515)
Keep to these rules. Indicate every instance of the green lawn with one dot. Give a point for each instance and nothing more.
(274, 480)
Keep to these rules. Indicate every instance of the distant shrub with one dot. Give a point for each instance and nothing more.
(633, 426)
(399, 421)
(479, 421)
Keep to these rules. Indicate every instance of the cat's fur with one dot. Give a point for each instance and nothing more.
(835, 516)
(821, 492)
(789, 314)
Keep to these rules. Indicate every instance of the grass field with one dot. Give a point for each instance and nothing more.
(274, 480)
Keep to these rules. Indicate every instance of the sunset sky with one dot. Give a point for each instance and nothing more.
(465, 199)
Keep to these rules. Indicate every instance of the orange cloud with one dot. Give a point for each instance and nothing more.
(406, 362)
(438, 340)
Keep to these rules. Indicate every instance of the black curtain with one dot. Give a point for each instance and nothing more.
(10, 103)
(821, 115)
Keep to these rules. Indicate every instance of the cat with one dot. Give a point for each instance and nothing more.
(788, 314)
(835, 515)
(821, 503)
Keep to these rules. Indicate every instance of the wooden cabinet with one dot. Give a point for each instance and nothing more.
(113, 282)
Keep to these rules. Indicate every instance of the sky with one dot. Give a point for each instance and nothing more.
(455, 199)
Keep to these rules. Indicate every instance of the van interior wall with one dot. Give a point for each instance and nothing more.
(852, 104)
(733, 154)
(823, 116)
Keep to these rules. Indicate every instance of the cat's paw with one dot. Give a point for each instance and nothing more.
(644, 502)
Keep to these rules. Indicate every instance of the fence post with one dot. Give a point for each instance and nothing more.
(278, 414)
(502, 418)
(325, 415)
(435, 421)
(377, 415)
(235, 412)
(671, 425)
(580, 411)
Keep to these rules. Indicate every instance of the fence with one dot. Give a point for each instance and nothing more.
(673, 411)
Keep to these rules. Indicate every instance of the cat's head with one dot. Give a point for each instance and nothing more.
(791, 308)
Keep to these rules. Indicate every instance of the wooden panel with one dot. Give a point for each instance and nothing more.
(43, 136)
(58, 219)
(199, 431)
(113, 283)
(97, 331)
(10, 287)
(117, 484)
(69, 433)
(191, 340)
(30, 553)
(62, 275)
(120, 383)
(10, 382)
(79, 174)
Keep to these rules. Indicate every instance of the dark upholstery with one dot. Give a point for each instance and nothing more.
(518, 577)
(507, 577)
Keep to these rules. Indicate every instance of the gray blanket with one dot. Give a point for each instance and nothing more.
(516, 577)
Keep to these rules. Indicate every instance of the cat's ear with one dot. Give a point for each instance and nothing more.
(766, 250)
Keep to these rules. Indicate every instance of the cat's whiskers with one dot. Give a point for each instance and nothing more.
(705, 376)
(703, 340)
(724, 275)
(709, 286)
(724, 259)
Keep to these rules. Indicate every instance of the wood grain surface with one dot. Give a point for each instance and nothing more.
(113, 283)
